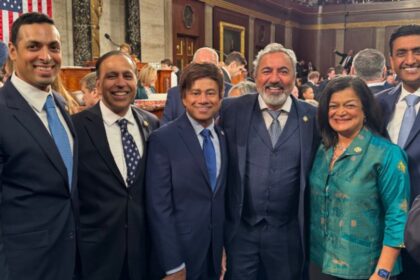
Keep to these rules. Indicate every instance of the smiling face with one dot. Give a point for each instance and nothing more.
(202, 100)
(275, 79)
(345, 113)
(405, 61)
(37, 54)
(117, 83)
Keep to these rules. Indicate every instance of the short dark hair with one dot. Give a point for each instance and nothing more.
(369, 106)
(28, 18)
(196, 71)
(302, 90)
(235, 57)
(109, 54)
(166, 61)
(405, 30)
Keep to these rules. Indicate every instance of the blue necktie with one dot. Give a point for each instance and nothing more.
(209, 156)
(60, 136)
(408, 119)
(131, 153)
(275, 128)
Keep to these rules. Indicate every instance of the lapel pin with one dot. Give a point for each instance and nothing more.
(146, 123)
(221, 132)
(305, 119)
(358, 149)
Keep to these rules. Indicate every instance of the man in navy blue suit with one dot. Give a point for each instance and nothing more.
(38, 160)
(271, 142)
(174, 107)
(404, 45)
(185, 183)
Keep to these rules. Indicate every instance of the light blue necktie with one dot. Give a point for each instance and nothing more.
(275, 128)
(408, 119)
(209, 156)
(60, 136)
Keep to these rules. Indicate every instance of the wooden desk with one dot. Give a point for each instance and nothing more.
(71, 77)
(152, 106)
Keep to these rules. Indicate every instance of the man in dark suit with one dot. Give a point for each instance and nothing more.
(185, 183)
(271, 142)
(113, 137)
(369, 65)
(400, 107)
(346, 59)
(235, 63)
(313, 80)
(38, 160)
(174, 107)
(412, 236)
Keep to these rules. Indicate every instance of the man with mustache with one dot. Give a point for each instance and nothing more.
(271, 142)
(400, 107)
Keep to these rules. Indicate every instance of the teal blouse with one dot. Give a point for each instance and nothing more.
(358, 206)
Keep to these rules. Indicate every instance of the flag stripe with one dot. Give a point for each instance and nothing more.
(7, 17)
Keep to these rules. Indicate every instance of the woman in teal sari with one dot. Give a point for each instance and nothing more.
(359, 188)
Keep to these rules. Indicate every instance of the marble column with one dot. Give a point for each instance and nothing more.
(82, 35)
(132, 23)
(251, 42)
(339, 43)
(288, 34)
(168, 27)
(380, 40)
(208, 26)
(95, 15)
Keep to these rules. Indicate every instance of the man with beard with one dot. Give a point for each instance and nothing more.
(400, 107)
(271, 142)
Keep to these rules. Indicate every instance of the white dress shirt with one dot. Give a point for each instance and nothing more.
(36, 99)
(396, 119)
(285, 110)
(113, 135)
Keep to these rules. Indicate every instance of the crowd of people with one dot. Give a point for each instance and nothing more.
(262, 180)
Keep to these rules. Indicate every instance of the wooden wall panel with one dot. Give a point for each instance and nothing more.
(326, 55)
(280, 36)
(261, 34)
(359, 38)
(219, 15)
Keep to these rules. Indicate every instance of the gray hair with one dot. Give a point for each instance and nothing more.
(369, 64)
(89, 80)
(206, 49)
(274, 48)
(244, 87)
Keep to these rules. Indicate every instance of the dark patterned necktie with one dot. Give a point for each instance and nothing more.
(131, 153)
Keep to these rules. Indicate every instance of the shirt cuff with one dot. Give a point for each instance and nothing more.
(176, 269)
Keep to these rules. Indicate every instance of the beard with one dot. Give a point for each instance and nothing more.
(274, 100)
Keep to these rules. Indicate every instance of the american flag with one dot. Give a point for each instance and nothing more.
(10, 10)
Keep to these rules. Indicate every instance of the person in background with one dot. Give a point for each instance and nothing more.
(346, 59)
(359, 188)
(72, 106)
(234, 65)
(313, 80)
(242, 88)
(147, 80)
(166, 64)
(306, 93)
(369, 65)
(88, 87)
(39, 152)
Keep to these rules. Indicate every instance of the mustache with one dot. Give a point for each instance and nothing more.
(278, 85)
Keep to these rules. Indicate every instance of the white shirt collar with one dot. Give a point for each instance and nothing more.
(227, 72)
(198, 127)
(404, 93)
(287, 106)
(110, 117)
(34, 96)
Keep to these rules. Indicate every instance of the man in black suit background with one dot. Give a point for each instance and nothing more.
(38, 160)
(369, 65)
(346, 59)
(235, 63)
(113, 137)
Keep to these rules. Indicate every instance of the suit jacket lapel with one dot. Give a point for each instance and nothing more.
(187, 133)
(96, 130)
(26, 116)
(243, 119)
(390, 102)
(223, 157)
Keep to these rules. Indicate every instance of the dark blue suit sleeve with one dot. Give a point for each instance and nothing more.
(159, 205)
(412, 236)
(4, 269)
